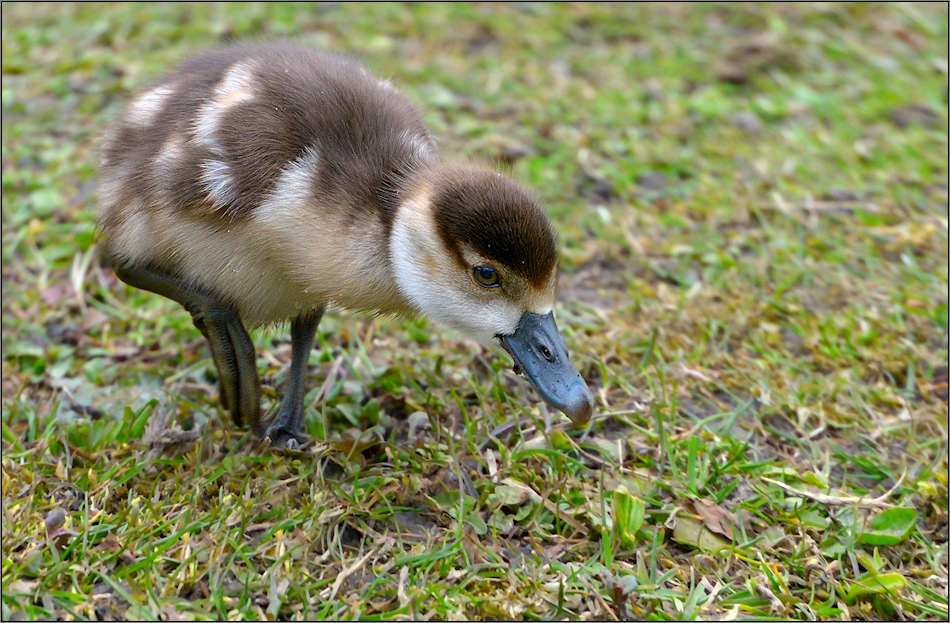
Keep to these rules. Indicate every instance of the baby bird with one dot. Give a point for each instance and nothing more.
(259, 184)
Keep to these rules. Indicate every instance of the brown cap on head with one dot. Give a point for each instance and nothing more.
(496, 218)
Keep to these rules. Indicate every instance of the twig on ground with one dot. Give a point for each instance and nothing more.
(842, 500)
(356, 566)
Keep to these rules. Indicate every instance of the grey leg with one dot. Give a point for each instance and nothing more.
(286, 428)
(249, 384)
(231, 347)
(224, 393)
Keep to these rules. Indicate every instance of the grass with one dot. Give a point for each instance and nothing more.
(752, 203)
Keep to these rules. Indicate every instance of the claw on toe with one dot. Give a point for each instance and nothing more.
(284, 440)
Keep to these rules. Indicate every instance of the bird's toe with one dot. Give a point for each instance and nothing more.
(283, 439)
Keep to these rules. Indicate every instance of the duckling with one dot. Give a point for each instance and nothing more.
(258, 184)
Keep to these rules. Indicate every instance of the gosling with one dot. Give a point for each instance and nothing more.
(257, 185)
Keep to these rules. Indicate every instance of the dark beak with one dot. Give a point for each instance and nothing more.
(538, 348)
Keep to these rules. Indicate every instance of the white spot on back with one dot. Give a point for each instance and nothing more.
(170, 155)
(143, 110)
(216, 176)
(294, 186)
(236, 87)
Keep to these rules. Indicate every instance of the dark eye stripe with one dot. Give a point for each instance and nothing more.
(486, 277)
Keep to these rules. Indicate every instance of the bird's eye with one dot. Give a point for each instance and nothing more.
(486, 277)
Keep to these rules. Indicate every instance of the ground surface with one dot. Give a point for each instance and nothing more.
(752, 202)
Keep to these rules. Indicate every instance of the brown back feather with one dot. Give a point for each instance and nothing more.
(304, 99)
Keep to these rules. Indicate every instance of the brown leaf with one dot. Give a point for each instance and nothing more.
(54, 521)
(170, 613)
(112, 544)
(715, 518)
(53, 293)
(109, 544)
(61, 538)
(258, 527)
(92, 318)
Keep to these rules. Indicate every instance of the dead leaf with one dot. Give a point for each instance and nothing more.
(514, 492)
(92, 318)
(352, 447)
(109, 544)
(19, 587)
(620, 589)
(170, 612)
(162, 434)
(258, 527)
(55, 535)
(694, 533)
(715, 518)
(112, 544)
(55, 520)
(775, 604)
(53, 293)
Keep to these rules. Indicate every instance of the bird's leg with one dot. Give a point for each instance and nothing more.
(224, 393)
(231, 347)
(248, 404)
(286, 429)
